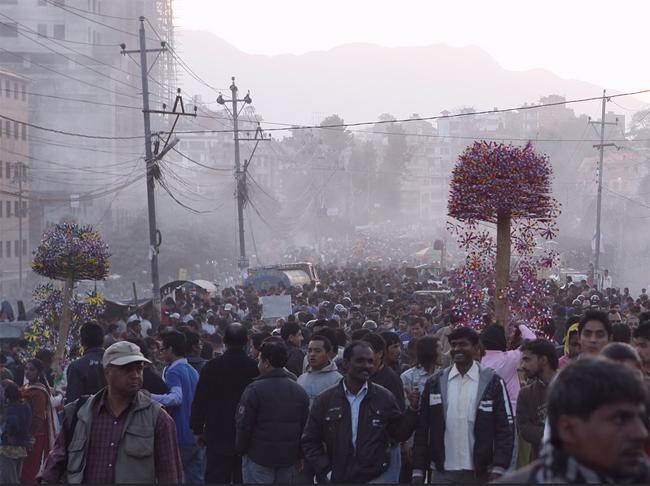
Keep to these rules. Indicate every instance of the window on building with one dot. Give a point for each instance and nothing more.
(42, 30)
(8, 249)
(24, 208)
(8, 170)
(8, 88)
(24, 92)
(17, 247)
(59, 31)
(16, 131)
(23, 132)
(8, 209)
(1, 250)
(24, 247)
(16, 209)
(24, 170)
(15, 91)
(8, 29)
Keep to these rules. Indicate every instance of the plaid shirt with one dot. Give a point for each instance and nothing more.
(105, 435)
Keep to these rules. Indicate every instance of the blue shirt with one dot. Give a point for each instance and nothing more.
(182, 379)
(355, 405)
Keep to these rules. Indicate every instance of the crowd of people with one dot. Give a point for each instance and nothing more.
(367, 381)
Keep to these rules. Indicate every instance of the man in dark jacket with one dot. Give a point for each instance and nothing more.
(85, 375)
(466, 428)
(351, 425)
(292, 335)
(597, 417)
(221, 384)
(270, 419)
(539, 363)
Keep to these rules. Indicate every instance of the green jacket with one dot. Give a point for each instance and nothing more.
(135, 457)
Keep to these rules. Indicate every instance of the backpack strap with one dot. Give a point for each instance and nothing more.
(71, 418)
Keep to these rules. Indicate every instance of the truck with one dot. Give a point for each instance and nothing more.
(288, 275)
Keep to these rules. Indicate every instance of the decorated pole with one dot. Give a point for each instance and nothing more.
(509, 187)
(502, 268)
(64, 325)
(70, 252)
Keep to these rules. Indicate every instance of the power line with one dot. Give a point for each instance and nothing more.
(66, 75)
(439, 117)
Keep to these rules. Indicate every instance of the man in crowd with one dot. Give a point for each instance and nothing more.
(112, 335)
(182, 380)
(393, 350)
(118, 435)
(595, 333)
(466, 428)
(85, 375)
(641, 341)
(597, 416)
(292, 335)
(539, 362)
(221, 384)
(322, 371)
(350, 425)
(271, 416)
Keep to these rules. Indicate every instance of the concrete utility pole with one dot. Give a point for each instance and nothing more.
(601, 146)
(152, 159)
(240, 172)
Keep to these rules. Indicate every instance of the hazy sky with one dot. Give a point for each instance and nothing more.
(601, 42)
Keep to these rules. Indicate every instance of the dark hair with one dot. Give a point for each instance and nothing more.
(493, 337)
(207, 351)
(12, 393)
(621, 352)
(3, 358)
(358, 334)
(141, 344)
(149, 341)
(464, 333)
(642, 331)
(327, 344)
(376, 341)
(91, 335)
(275, 352)
(593, 315)
(258, 338)
(542, 347)
(176, 340)
(40, 367)
(341, 337)
(621, 333)
(390, 337)
(111, 328)
(289, 329)
(349, 349)
(426, 350)
(235, 335)
(191, 339)
(330, 334)
(585, 385)
(44, 355)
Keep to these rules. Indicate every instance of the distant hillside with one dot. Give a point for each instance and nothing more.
(361, 81)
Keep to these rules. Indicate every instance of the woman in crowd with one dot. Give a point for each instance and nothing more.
(15, 438)
(36, 394)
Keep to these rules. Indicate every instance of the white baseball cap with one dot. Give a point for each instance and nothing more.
(123, 353)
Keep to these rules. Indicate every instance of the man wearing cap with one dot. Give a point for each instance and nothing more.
(118, 435)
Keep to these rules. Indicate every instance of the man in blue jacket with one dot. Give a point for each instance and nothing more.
(182, 379)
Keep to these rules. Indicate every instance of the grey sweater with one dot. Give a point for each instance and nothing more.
(315, 382)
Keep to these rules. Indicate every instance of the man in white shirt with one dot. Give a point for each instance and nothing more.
(466, 432)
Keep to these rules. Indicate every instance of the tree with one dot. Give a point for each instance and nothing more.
(499, 183)
(70, 253)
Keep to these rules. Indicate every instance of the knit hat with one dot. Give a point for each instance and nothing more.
(493, 338)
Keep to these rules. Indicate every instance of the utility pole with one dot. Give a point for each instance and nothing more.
(240, 171)
(601, 146)
(155, 238)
